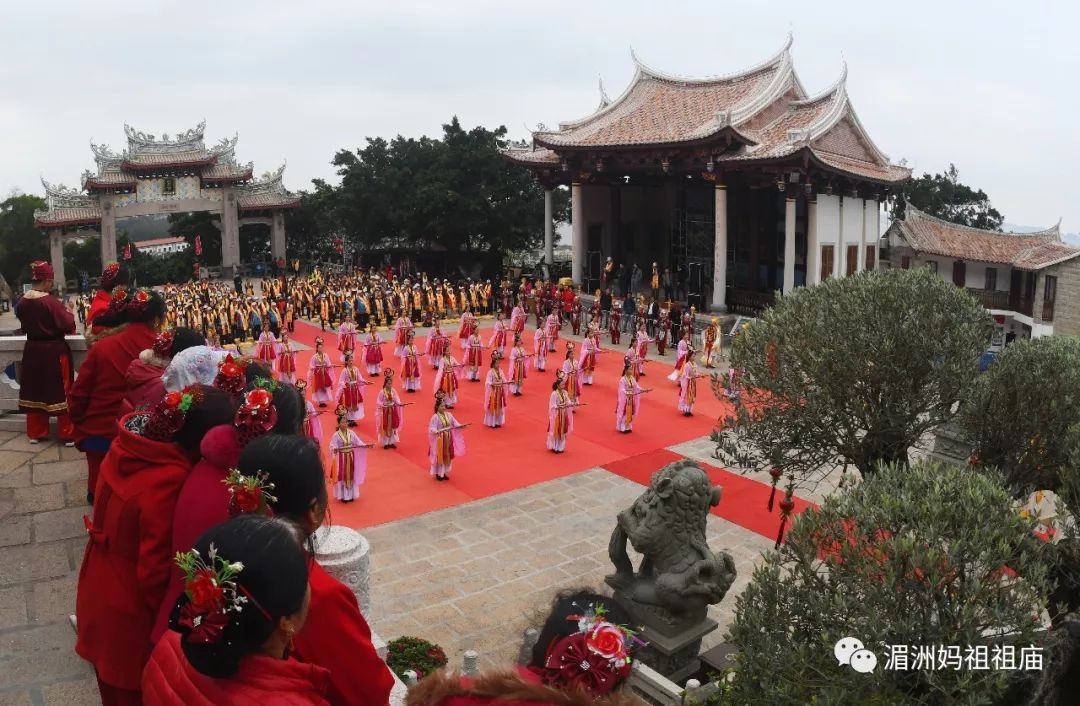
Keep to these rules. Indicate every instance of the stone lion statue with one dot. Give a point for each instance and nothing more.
(678, 573)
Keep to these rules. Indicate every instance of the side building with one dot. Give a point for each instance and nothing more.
(1029, 282)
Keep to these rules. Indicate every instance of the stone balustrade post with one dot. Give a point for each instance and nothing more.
(470, 664)
(346, 555)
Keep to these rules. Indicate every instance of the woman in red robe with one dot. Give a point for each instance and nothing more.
(204, 499)
(113, 276)
(246, 596)
(336, 635)
(128, 557)
(96, 398)
(46, 363)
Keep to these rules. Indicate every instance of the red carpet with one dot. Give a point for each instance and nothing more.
(745, 501)
(500, 460)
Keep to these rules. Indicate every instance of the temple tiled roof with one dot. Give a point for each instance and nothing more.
(77, 216)
(267, 192)
(764, 110)
(929, 235)
(227, 172)
(108, 180)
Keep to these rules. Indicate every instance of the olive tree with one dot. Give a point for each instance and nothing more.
(1019, 413)
(852, 371)
(926, 555)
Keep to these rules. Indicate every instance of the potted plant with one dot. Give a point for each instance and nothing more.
(414, 654)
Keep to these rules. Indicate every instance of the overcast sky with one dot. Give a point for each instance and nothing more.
(991, 88)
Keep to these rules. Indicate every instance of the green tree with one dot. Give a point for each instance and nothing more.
(82, 257)
(20, 241)
(943, 195)
(852, 371)
(201, 223)
(1021, 411)
(456, 193)
(918, 555)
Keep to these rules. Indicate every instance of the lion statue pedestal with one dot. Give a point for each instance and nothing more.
(679, 577)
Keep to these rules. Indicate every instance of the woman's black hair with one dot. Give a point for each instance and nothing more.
(573, 602)
(290, 409)
(274, 579)
(293, 464)
(213, 408)
(153, 309)
(556, 381)
(256, 369)
(184, 338)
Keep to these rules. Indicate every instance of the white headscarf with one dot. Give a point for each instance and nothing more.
(197, 365)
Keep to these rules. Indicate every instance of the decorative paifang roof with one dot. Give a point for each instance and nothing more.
(930, 235)
(108, 180)
(66, 206)
(187, 141)
(765, 108)
(228, 172)
(267, 191)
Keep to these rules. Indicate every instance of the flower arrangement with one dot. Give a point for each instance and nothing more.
(415, 654)
(211, 589)
(248, 494)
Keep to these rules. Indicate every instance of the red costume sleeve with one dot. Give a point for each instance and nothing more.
(155, 543)
(337, 637)
(79, 394)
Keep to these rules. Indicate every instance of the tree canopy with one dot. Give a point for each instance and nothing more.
(20, 242)
(456, 194)
(943, 196)
(888, 564)
(852, 371)
(1022, 412)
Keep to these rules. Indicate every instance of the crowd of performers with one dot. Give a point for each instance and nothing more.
(357, 306)
(207, 481)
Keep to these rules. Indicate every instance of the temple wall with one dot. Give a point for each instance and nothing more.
(872, 228)
(187, 187)
(828, 219)
(1067, 302)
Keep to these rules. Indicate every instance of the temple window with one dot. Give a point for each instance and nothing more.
(168, 185)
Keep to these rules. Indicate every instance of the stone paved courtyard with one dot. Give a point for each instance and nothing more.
(469, 577)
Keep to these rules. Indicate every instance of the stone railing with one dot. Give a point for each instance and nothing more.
(11, 352)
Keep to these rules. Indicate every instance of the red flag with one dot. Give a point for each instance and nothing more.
(339, 245)
(198, 245)
(127, 251)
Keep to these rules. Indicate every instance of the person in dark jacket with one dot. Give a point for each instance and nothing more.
(605, 307)
(629, 313)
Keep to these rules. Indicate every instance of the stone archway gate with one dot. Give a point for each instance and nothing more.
(178, 174)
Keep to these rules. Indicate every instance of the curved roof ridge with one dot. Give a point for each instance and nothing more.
(839, 84)
(1053, 231)
(769, 63)
(603, 108)
(778, 86)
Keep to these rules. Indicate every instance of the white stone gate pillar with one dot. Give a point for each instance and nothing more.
(719, 286)
(577, 205)
(813, 250)
(549, 227)
(789, 244)
(56, 255)
(277, 235)
(230, 229)
(108, 232)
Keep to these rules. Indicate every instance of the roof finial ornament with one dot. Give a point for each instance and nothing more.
(604, 100)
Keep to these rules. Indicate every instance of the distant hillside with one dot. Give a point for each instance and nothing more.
(144, 227)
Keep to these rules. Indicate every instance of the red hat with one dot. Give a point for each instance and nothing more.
(41, 271)
(108, 276)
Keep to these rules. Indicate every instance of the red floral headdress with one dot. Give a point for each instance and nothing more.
(168, 416)
(596, 658)
(138, 301)
(248, 494)
(231, 375)
(108, 276)
(163, 344)
(213, 594)
(257, 414)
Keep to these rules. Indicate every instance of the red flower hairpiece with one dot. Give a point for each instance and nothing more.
(248, 494)
(231, 375)
(256, 416)
(168, 416)
(138, 301)
(596, 658)
(213, 595)
(163, 344)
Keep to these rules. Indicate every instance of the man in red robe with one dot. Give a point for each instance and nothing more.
(46, 364)
(115, 275)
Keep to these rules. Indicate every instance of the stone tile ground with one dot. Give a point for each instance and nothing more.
(475, 576)
(42, 502)
(468, 577)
